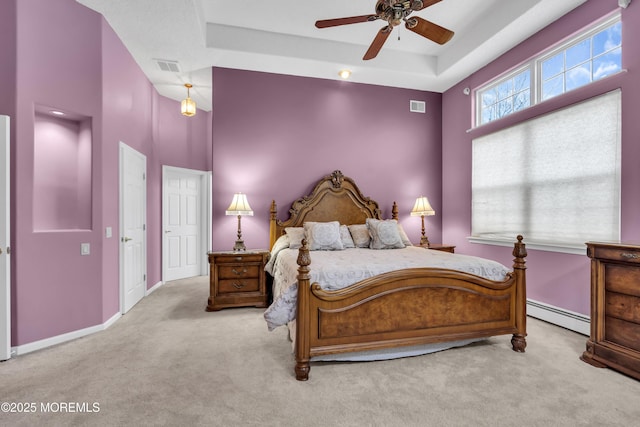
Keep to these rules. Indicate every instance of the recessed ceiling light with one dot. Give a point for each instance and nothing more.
(56, 113)
(345, 74)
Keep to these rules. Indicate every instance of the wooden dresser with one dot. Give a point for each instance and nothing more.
(615, 308)
(237, 279)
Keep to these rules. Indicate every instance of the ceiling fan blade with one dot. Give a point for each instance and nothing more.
(377, 43)
(345, 21)
(425, 4)
(429, 30)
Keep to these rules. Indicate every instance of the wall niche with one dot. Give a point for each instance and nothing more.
(61, 170)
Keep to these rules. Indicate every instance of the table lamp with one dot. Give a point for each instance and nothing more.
(239, 206)
(422, 208)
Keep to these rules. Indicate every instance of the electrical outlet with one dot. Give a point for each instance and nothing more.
(85, 249)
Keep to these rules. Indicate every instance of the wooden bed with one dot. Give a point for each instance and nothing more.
(400, 308)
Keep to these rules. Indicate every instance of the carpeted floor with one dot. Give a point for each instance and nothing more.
(168, 362)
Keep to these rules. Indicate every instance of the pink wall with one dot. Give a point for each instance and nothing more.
(558, 279)
(75, 62)
(275, 136)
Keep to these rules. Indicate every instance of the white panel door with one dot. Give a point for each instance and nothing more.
(5, 237)
(133, 213)
(182, 223)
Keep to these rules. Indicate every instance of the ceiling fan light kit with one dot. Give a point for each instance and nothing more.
(395, 12)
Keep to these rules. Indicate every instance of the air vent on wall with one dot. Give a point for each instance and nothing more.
(165, 65)
(417, 106)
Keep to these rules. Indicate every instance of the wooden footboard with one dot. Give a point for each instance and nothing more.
(407, 307)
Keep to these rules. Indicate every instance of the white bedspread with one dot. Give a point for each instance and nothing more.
(339, 269)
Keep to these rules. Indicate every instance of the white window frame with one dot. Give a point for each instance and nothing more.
(535, 65)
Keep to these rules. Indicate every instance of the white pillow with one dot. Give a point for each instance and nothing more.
(296, 234)
(404, 237)
(323, 236)
(360, 235)
(384, 234)
(345, 236)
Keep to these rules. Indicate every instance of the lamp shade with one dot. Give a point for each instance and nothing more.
(239, 205)
(422, 207)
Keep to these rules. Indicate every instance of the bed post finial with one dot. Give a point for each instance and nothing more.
(273, 218)
(303, 346)
(394, 211)
(518, 341)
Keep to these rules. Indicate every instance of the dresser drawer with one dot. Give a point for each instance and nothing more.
(238, 285)
(621, 306)
(626, 334)
(631, 255)
(239, 271)
(622, 278)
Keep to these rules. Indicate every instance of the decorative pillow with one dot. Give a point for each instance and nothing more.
(360, 235)
(384, 234)
(345, 236)
(296, 234)
(404, 237)
(323, 236)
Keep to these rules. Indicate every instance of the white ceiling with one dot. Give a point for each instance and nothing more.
(280, 37)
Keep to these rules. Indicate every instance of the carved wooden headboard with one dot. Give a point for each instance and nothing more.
(334, 198)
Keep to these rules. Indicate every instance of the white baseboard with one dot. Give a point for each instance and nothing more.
(59, 339)
(558, 316)
(154, 288)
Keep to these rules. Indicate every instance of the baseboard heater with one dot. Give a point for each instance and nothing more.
(558, 316)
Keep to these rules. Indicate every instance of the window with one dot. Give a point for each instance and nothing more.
(594, 54)
(554, 179)
(507, 96)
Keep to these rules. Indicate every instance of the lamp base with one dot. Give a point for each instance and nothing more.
(424, 241)
(239, 246)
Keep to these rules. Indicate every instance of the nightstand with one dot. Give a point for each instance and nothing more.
(441, 247)
(237, 279)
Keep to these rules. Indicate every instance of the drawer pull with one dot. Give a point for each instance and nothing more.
(238, 285)
(629, 255)
(239, 273)
(238, 258)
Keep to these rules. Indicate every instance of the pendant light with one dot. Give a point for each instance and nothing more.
(188, 106)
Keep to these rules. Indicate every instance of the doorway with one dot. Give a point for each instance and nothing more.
(133, 234)
(186, 215)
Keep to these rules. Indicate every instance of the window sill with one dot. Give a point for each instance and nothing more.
(567, 248)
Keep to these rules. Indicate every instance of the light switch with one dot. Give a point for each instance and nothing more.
(108, 232)
(85, 248)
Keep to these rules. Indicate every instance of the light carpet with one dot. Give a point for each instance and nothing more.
(169, 362)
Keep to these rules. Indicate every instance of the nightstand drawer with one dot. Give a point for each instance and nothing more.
(240, 271)
(238, 285)
(238, 258)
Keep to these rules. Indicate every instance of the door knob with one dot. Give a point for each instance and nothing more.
(126, 239)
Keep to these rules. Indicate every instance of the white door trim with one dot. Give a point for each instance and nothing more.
(125, 149)
(205, 215)
(5, 240)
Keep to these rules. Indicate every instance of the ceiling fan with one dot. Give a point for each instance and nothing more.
(394, 12)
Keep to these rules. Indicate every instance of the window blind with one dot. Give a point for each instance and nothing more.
(554, 179)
